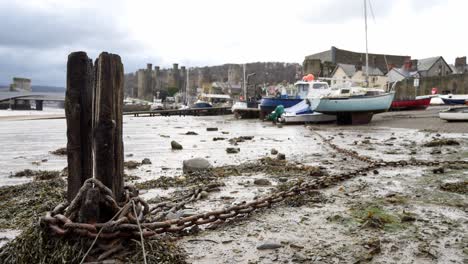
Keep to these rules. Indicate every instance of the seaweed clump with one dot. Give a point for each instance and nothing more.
(456, 187)
(59, 152)
(22, 204)
(36, 245)
(441, 142)
(190, 179)
(39, 175)
(270, 166)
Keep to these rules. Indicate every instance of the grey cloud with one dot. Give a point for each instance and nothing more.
(35, 42)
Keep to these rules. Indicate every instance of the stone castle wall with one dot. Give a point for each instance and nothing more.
(453, 83)
(145, 82)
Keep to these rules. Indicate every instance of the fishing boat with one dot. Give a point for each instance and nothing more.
(419, 103)
(202, 104)
(304, 89)
(210, 100)
(303, 112)
(355, 105)
(269, 104)
(455, 114)
(454, 99)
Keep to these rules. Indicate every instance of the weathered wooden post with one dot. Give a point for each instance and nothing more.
(78, 105)
(108, 143)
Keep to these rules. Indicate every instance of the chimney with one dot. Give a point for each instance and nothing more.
(407, 64)
(460, 61)
(414, 65)
(358, 66)
(149, 66)
(175, 66)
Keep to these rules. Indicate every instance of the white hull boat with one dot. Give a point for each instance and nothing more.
(307, 118)
(354, 105)
(455, 114)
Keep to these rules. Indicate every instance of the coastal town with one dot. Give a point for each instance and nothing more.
(338, 155)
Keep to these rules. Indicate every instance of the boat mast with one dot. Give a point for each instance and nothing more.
(367, 51)
(187, 87)
(245, 86)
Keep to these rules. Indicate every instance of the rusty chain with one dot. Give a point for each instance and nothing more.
(60, 220)
(161, 209)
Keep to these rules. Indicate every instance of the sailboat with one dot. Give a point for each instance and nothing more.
(356, 105)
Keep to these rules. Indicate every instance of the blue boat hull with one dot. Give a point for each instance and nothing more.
(268, 105)
(449, 101)
(202, 105)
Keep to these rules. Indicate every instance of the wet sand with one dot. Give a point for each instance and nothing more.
(427, 119)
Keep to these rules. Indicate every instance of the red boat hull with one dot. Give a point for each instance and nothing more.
(411, 104)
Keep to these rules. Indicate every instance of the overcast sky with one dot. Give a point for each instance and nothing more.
(37, 35)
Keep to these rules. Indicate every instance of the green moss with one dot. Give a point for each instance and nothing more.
(374, 216)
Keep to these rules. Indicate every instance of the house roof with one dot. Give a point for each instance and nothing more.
(350, 70)
(404, 72)
(426, 64)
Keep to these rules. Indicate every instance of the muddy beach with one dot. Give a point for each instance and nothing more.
(393, 213)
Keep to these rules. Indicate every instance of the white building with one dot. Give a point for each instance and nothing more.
(346, 72)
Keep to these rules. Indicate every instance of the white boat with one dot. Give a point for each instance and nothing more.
(454, 99)
(455, 114)
(355, 105)
(307, 118)
(157, 105)
(303, 112)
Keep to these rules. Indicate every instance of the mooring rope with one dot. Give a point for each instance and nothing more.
(141, 232)
(97, 236)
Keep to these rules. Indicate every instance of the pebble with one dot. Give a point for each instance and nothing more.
(232, 150)
(281, 156)
(269, 245)
(283, 179)
(274, 151)
(146, 161)
(211, 129)
(176, 145)
(262, 182)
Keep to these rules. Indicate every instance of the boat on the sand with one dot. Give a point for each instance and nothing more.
(455, 114)
(304, 88)
(454, 99)
(313, 117)
(355, 105)
(419, 103)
